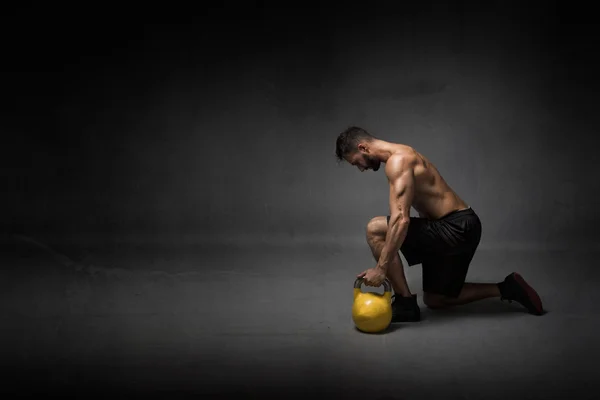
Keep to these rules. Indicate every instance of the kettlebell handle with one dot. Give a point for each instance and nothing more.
(386, 284)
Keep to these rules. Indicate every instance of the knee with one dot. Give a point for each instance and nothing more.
(377, 228)
(434, 301)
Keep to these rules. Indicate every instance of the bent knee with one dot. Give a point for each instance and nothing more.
(434, 301)
(377, 227)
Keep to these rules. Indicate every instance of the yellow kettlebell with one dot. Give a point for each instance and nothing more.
(372, 312)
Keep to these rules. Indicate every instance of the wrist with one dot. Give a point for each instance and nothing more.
(381, 267)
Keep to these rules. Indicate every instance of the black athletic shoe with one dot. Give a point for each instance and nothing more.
(405, 309)
(514, 288)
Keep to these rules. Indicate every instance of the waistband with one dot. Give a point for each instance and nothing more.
(458, 213)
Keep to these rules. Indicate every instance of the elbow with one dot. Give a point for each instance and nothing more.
(403, 223)
(400, 221)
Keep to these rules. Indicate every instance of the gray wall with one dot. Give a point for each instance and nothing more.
(225, 130)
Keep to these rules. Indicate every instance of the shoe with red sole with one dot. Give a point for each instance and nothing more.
(514, 288)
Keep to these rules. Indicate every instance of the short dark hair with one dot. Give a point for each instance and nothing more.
(347, 141)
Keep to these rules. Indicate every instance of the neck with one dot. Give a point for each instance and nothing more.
(381, 149)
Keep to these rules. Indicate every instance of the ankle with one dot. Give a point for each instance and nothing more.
(496, 292)
(501, 286)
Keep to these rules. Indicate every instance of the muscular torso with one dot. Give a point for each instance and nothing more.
(433, 198)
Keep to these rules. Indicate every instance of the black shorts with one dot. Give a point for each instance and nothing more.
(444, 247)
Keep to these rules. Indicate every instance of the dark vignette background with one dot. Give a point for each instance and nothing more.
(215, 128)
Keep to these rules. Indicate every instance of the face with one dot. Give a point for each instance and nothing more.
(364, 161)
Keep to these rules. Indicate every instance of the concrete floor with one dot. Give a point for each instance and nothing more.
(275, 322)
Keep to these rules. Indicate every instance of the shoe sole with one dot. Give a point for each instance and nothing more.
(396, 321)
(531, 293)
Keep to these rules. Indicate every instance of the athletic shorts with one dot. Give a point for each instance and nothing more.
(444, 247)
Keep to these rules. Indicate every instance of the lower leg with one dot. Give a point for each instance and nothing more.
(471, 292)
(395, 272)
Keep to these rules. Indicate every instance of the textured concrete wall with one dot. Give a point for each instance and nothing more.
(224, 128)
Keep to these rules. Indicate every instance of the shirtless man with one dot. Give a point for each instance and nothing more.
(443, 238)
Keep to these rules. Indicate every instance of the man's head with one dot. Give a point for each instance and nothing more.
(355, 146)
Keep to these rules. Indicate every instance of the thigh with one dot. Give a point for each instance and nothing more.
(446, 274)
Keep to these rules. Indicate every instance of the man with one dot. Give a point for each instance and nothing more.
(443, 238)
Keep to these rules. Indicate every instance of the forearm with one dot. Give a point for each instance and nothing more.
(396, 234)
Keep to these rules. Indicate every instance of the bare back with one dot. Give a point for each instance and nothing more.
(433, 197)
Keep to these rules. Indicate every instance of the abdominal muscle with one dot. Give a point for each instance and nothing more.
(433, 197)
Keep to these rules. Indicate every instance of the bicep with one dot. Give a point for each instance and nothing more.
(401, 194)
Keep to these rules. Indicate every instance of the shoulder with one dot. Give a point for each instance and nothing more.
(399, 164)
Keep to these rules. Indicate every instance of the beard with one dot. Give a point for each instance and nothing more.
(372, 163)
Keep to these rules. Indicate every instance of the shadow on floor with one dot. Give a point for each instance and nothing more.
(482, 309)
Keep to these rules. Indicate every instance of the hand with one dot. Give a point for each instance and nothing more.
(372, 276)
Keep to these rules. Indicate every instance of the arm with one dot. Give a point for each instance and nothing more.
(402, 181)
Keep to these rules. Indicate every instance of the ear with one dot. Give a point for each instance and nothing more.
(363, 148)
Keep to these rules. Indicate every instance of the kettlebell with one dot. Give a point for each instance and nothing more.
(372, 312)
